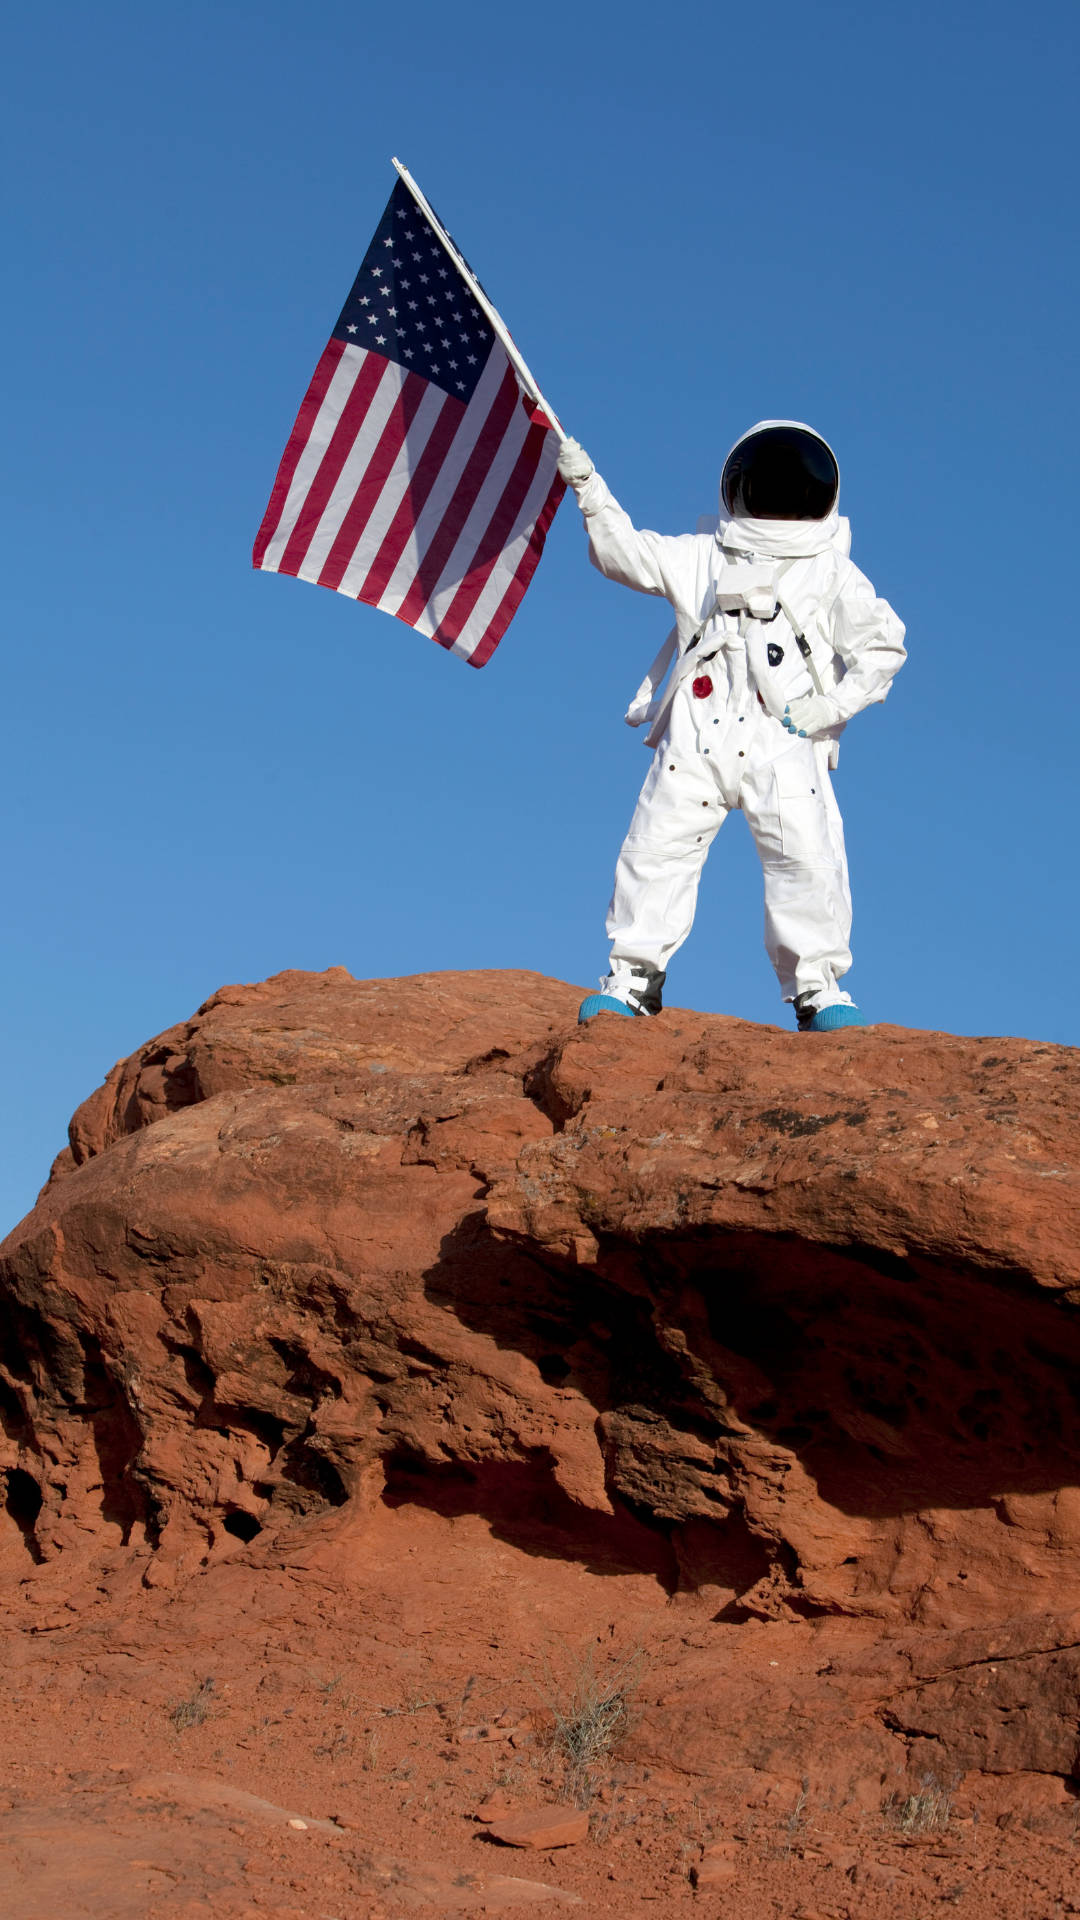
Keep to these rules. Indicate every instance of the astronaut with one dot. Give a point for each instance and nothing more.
(778, 641)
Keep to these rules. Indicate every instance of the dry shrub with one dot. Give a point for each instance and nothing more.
(590, 1710)
(928, 1811)
(195, 1709)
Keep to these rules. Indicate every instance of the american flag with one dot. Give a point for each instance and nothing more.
(419, 477)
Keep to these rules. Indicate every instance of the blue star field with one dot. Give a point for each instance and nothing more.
(409, 303)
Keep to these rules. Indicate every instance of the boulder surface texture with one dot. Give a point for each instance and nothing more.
(789, 1324)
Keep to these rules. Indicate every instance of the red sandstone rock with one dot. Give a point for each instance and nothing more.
(713, 1871)
(496, 1805)
(540, 1828)
(787, 1325)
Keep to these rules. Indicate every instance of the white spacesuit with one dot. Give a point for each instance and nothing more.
(778, 641)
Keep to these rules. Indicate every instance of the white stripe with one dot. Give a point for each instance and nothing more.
(337, 393)
(511, 556)
(472, 533)
(382, 514)
(457, 455)
(357, 460)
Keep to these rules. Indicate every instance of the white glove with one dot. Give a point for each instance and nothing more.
(574, 463)
(810, 714)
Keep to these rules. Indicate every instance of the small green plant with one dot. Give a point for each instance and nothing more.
(590, 1713)
(928, 1811)
(195, 1709)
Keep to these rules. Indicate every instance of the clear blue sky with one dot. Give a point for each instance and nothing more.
(691, 217)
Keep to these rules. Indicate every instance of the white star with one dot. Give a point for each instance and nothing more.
(444, 273)
(391, 313)
(434, 368)
(376, 273)
(350, 329)
(405, 283)
(475, 311)
(453, 366)
(455, 316)
(388, 243)
(418, 256)
(373, 317)
(412, 306)
(420, 327)
(449, 293)
(472, 359)
(364, 301)
(430, 298)
(380, 339)
(423, 279)
(408, 353)
(395, 263)
(461, 386)
(465, 337)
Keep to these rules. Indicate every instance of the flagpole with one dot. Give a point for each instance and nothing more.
(481, 298)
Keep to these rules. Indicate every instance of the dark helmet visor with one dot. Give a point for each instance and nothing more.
(780, 473)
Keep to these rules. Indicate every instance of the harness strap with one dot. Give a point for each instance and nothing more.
(643, 707)
(640, 708)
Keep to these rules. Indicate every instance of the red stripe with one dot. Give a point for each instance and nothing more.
(515, 592)
(483, 454)
(298, 439)
(477, 468)
(495, 539)
(341, 445)
(393, 436)
(414, 499)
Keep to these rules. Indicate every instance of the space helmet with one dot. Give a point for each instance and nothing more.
(780, 470)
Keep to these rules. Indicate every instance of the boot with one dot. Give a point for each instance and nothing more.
(632, 988)
(813, 1019)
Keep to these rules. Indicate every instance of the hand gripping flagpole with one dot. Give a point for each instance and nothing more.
(498, 324)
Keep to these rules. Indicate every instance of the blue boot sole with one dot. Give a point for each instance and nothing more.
(831, 1019)
(602, 1003)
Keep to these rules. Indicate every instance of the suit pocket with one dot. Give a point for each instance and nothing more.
(800, 807)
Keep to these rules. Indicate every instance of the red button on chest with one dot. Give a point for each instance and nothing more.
(702, 687)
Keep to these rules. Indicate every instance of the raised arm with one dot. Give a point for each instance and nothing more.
(648, 562)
